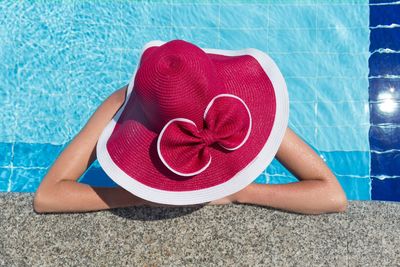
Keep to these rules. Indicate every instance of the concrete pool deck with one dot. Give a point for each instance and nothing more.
(367, 234)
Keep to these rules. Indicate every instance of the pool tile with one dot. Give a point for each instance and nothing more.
(94, 58)
(86, 37)
(9, 56)
(145, 34)
(356, 188)
(54, 30)
(8, 94)
(386, 163)
(31, 129)
(297, 65)
(276, 168)
(243, 16)
(237, 39)
(45, 35)
(129, 61)
(95, 12)
(96, 176)
(383, 138)
(155, 33)
(381, 89)
(385, 38)
(341, 89)
(9, 20)
(343, 114)
(8, 126)
(134, 14)
(37, 83)
(8, 79)
(342, 40)
(5, 154)
(327, 15)
(86, 83)
(41, 105)
(381, 1)
(384, 64)
(285, 16)
(385, 102)
(196, 15)
(261, 179)
(35, 155)
(26, 180)
(345, 138)
(52, 57)
(385, 113)
(4, 178)
(286, 40)
(51, 13)
(342, 65)
(204, 37)
(355, 163)
(302, 88)
(384, 14)
(302, 114)
(385, 189)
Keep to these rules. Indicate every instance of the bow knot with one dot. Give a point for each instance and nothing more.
(208, 137)
(184, 149)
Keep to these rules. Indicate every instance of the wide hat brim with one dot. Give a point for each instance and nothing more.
(127, 148)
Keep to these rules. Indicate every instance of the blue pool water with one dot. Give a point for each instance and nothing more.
(60, 60)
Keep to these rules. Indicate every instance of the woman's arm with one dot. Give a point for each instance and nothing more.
(318, 190)
(60, 192)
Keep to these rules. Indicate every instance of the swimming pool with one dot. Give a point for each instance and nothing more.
(60, 60)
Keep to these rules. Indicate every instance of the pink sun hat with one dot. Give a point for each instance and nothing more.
(197, 124)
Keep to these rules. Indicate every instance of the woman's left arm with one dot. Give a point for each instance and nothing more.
(317, 192)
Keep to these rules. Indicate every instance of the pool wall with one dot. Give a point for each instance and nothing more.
(60, 60)
(384, 86)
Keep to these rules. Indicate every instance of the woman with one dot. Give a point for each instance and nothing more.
(317, 192)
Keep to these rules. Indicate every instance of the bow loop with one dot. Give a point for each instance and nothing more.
(184, 148)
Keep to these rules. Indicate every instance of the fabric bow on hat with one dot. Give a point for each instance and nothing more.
(184, 148)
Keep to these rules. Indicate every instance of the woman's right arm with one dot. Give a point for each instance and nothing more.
(317, 192)
(60, 192)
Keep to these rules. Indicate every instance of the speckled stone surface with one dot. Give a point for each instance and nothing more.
(229, 235)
